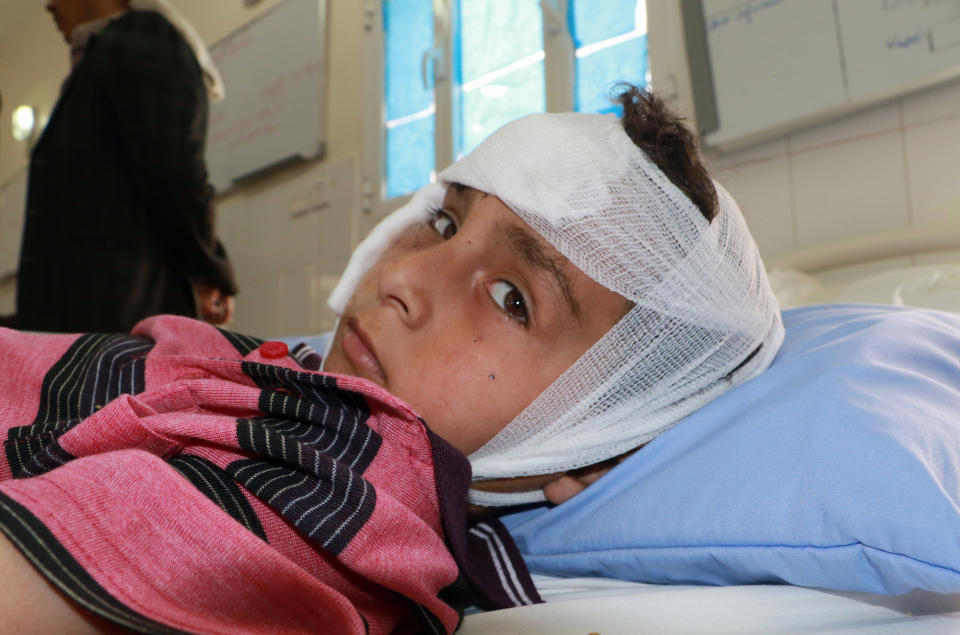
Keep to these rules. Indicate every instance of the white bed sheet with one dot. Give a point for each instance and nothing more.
(927, 286)
(610, 607)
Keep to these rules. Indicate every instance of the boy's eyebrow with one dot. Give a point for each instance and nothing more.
(464, 194)
(526, 245)
(534, 255)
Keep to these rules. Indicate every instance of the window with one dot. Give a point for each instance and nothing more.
(610, 45)
(408, 99)
(500, 74)
(453, 71)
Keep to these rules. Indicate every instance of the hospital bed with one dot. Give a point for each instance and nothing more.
(577, 568)
(578, 606)
(914, 267)
(702, 504)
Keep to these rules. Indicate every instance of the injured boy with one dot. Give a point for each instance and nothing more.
(569, 290)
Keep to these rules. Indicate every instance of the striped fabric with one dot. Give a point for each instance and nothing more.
(175, 480)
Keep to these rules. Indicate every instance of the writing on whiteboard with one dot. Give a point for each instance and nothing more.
(230, 48)
(273, 68)
(903, 42)
(740, 14)
(263, 120)
(938, 36)
(893, 5)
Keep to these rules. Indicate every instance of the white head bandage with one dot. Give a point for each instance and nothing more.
(704, 317)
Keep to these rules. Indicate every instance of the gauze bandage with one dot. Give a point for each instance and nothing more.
(704, 317)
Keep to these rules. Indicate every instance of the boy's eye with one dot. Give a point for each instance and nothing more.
(509, 298)
(443, 224)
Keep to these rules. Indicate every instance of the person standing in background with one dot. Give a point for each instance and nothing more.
(120, 219)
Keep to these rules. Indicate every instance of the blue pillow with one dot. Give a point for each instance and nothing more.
(839, 467)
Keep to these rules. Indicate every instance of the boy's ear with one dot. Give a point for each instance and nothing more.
(563, 488)
(567, 485)
(557, 488)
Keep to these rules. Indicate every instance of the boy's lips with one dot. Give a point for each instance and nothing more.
(359, 351)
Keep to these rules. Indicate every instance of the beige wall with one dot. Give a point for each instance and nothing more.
(33, 63)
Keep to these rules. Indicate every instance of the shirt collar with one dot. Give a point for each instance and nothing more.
(83, 32)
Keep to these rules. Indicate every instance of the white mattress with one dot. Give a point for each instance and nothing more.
(608, 607)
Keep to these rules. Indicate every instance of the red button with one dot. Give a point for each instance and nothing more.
(273, 350)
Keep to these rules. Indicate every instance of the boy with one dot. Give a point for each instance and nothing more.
(573, 288)
(604, 223)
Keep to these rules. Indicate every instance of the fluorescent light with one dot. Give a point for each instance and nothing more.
(23, 122)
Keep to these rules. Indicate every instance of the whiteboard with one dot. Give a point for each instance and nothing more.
(890, 44)
(273, 72)
(777, 65)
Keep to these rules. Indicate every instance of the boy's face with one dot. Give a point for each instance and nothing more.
(469, 317)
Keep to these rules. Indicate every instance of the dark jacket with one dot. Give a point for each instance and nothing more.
(119, 219)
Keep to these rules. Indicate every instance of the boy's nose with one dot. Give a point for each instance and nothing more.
(413, 282)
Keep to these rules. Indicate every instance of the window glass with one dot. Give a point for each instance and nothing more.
(610, 46)
(497, 72)
(500, 67)
(409, 106)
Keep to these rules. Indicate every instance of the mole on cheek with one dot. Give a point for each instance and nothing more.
(491, 376)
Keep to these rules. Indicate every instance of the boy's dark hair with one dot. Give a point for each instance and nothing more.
(668, 143)
(674, 149)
